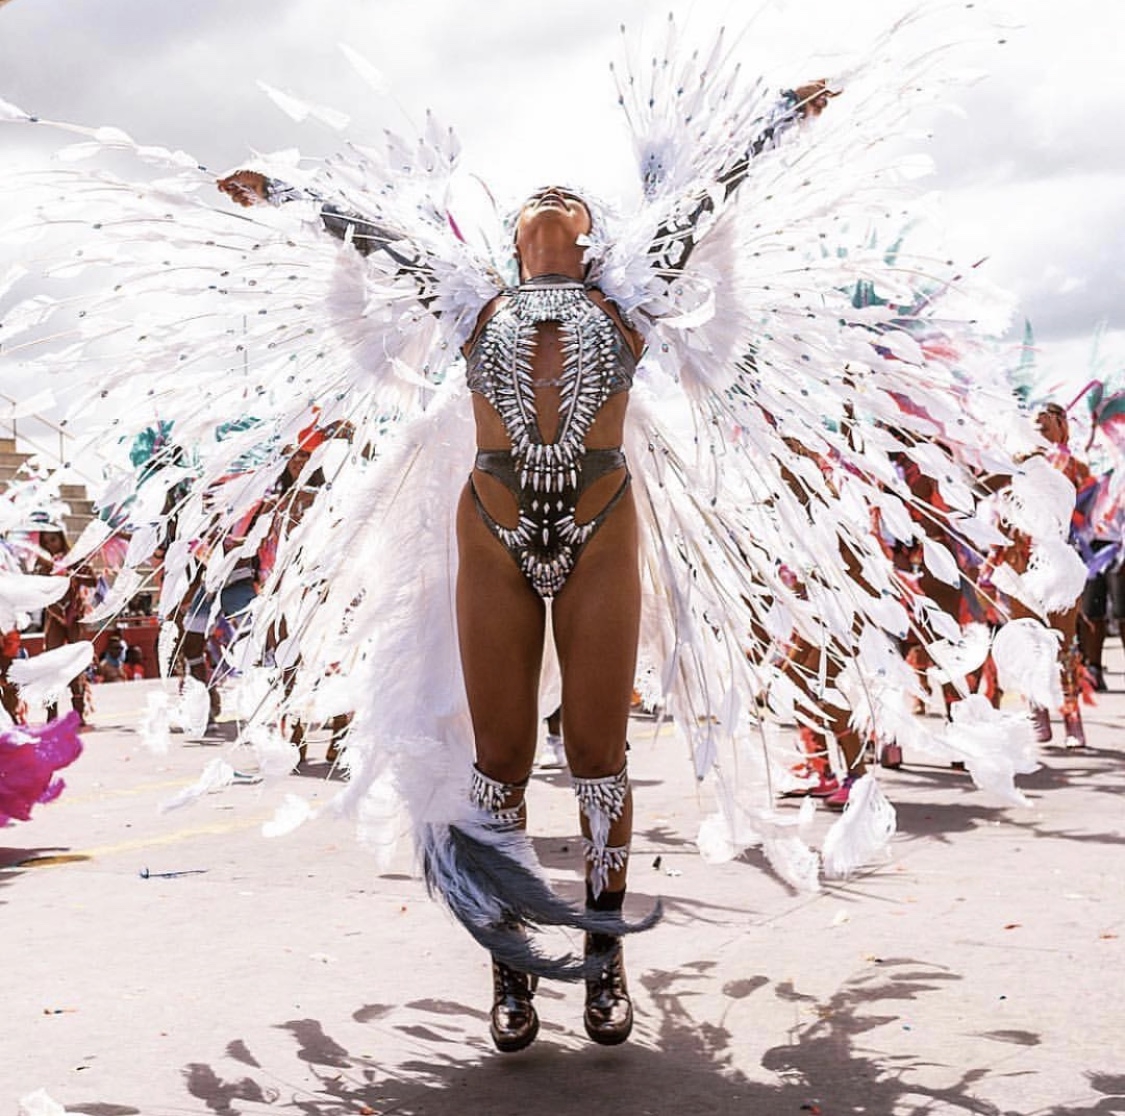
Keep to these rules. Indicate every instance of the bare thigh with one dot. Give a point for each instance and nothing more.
(596, 625)
(500, 626)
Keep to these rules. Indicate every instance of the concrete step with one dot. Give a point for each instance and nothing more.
(80, 508)
(74, 528)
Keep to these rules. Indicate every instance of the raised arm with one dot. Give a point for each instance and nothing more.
(247, 187)
(803, 103)
(675, 240)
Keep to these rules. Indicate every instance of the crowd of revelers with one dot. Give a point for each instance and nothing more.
(833, 756)
(826, 759)
(739, 454)
(1096, 533)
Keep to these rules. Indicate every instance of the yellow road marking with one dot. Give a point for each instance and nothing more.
(44, 861)
(124, 792)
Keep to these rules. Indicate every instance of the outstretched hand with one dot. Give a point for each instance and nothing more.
(246, 187)
(812, 98)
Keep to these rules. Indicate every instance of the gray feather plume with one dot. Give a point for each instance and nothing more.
(489, 880)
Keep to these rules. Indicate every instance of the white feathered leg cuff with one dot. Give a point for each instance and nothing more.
(504, 801)
(602, 802)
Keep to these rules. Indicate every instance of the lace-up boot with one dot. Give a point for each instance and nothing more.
(513, 1022)
(609, 1011)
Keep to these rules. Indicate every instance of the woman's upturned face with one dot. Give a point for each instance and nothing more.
(554, 203)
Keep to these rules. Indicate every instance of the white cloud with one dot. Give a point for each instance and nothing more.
(1032, 174)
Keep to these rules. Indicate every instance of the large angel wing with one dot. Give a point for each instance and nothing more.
(144, 298)
(803, 366)
(272, 325)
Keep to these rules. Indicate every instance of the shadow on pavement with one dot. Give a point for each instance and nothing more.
(13, 858)
(104, 1109)
(940, 822)
(1112, 1088)
(1092, 769)
(321, 770)
(14, 862)
(676, 1062)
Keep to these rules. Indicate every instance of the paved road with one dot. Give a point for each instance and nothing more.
(180, 962)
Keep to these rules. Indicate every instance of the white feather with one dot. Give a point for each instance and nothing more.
(154, 728)
(374, 77)
(967, 653)
(45, 677)
(1055, 576)
(1026, 655)
(940, 562)
(214, 777)
(124, 587)
(863, 832)
(292, 813)
(1040, 500)
(21, 594)
(994, 745)
(94, 534)
(193, 710)
(11, 112)
(39, 1103)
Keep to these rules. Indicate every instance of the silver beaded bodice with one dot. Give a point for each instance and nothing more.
(548, 477)
(597, 363)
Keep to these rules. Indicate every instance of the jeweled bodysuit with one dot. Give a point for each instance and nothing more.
(548, 478)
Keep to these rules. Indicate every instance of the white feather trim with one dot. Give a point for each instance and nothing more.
(1026, 655)
(21, 594)
(292, 813)
(155, 724)
(1055, 577)
(39, 1103)
(862, 834)
(214, 777)
(44, 678)
(994, 745)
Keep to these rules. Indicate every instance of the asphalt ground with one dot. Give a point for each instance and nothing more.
(181, 962)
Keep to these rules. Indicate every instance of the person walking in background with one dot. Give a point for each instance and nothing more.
(62, 621)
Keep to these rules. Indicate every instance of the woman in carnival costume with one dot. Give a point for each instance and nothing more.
(1054, 425)
(30, 756)
(547, 519)
(62, 619)
(717, 545)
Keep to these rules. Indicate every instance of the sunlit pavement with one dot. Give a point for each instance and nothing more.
(181, 962)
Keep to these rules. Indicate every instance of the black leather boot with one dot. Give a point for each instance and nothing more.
(609, 1011)
(513, 1022)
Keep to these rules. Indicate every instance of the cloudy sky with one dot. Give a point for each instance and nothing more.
(1032, 175)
